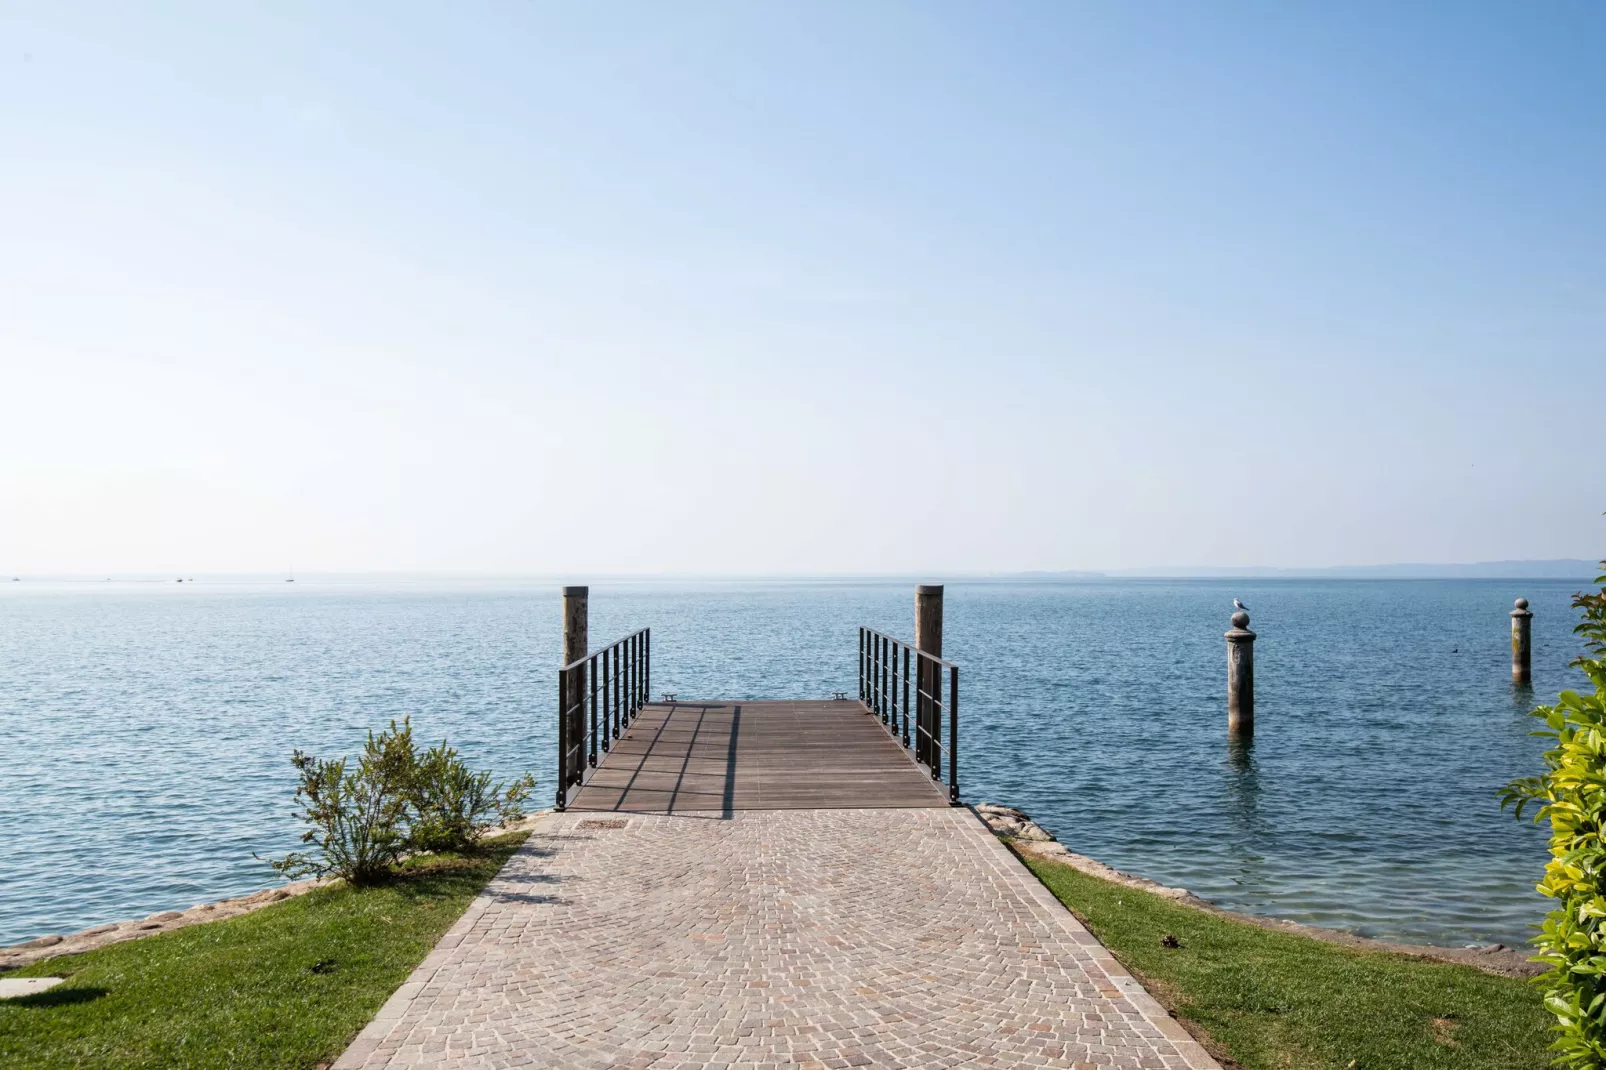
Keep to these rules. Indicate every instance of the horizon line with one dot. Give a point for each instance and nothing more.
(1530, 568)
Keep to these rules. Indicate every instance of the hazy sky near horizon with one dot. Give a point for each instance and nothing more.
(737, 286)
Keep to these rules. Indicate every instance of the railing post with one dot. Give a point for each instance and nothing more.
(892, 681)
(869, 685)
(591, 697)
(891, 720)
(928, 679)
(575, 601)
(883, 651)
(875, 654)
(888, 682)
(953, 735)
(646, 674)
(861, 663)
(869, 670)
(906, 698)
(563, 740)
(880, 675)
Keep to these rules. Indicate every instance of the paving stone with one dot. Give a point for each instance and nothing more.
(902, 938)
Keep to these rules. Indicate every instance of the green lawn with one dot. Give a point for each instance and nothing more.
(1278, 1001)
(287, 986)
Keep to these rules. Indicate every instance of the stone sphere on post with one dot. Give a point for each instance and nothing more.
(1521, 643)
(1240, 678)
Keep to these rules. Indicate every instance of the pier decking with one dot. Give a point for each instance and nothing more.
(777, 755)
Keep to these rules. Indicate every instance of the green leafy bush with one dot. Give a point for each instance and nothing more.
(393, 802)
(453, 807)
(1572, 794)
(358, 816)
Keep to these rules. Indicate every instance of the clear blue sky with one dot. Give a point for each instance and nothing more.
(799, 287)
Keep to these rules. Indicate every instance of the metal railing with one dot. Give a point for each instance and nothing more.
(598, 696)
(888, 669)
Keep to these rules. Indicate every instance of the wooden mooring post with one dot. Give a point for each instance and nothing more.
(1240, 678)
(928, 678)
(1521, 643)
(575, 605)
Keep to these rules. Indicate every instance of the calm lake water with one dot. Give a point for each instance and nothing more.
(146, 729)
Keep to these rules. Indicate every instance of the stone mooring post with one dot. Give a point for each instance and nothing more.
(1240, 678)
(575, 639)
(928, 637)
(1521, 643)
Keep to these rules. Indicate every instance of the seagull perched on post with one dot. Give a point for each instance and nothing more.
(1239, 605)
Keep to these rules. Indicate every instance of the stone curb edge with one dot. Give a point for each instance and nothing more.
(1193, 1053)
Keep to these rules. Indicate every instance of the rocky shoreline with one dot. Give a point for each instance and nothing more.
(1028, 837)
(46, 947)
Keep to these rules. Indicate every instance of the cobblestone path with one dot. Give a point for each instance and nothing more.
(784, 938)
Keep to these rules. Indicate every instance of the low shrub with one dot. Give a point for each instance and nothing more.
(393, 802)
(454, 808)
(1571, 792)
(358, 816)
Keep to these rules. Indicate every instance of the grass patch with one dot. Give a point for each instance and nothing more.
(287, 986)
(1279, 1001)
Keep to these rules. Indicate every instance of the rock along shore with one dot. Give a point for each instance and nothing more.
(47, 947)
(1028, 837)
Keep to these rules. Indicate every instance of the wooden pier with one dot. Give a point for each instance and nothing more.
(778, 755)
(895, 746)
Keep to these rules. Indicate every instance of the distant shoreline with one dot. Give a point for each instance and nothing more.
(1559, 569)
(1576, 570)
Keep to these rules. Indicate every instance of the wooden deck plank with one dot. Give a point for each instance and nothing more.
(768, 755)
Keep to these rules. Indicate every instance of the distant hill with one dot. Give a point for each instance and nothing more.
(1565, 569)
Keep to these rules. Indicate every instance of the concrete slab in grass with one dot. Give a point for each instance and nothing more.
(12, 987)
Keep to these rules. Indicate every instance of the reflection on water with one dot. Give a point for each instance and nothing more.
(1243, 786)
(1243, 797)
(145, 730)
